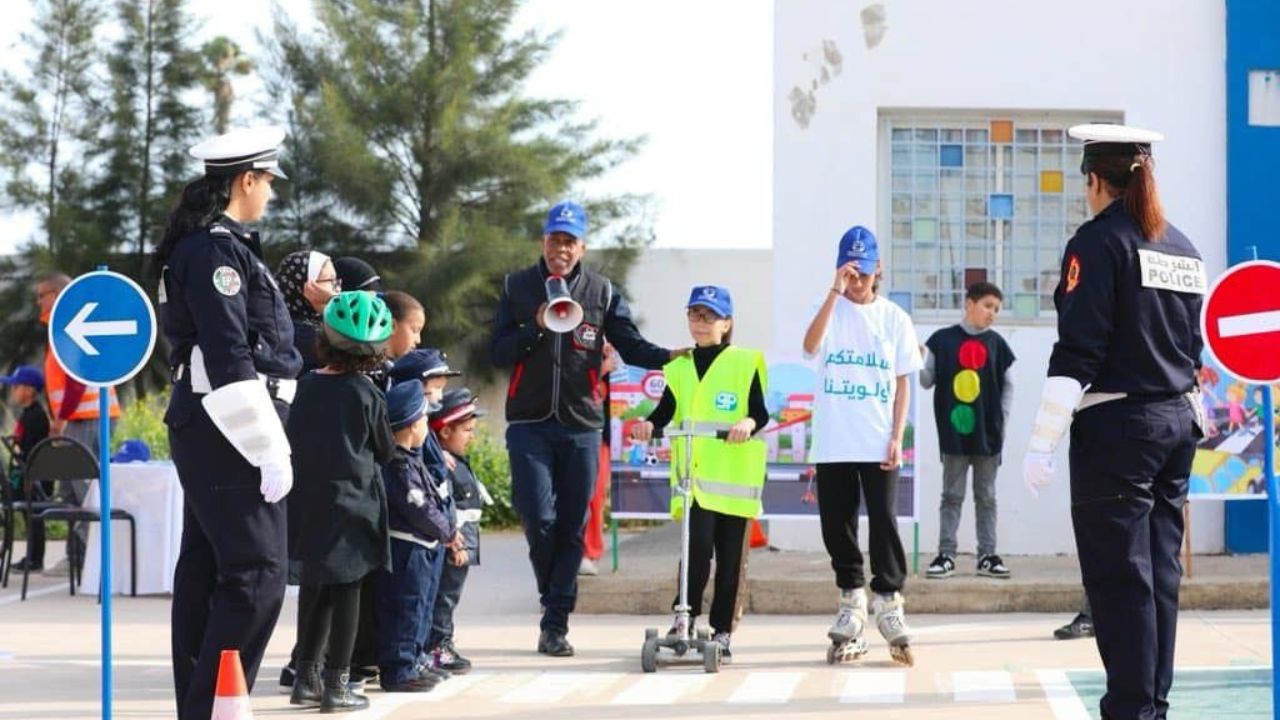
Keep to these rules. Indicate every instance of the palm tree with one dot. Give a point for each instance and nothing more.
(224, 59)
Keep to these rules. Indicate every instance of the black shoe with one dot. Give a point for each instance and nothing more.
(992, 566)
(362, 675)
(1081, 626)
(338, 696)
(555, 644)
(423, 682)
(448, 658)
(308, 688)
(25, 564)
(287, 676)
(943, 566)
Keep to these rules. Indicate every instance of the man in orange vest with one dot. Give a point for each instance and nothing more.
(72, 405)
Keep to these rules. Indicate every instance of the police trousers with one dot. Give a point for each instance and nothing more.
(403, 600)
(228, 585)
(1130, 460)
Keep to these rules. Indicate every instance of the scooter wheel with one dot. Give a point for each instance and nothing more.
(711, 657)
(831, 655)
(649, 655)
(650, 633)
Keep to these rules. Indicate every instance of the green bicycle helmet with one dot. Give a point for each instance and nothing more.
(357, 321)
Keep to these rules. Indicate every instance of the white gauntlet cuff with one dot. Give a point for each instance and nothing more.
(1058, 401)
(245, 415)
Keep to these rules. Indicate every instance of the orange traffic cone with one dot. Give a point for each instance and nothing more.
(231, 696)
(758, 538)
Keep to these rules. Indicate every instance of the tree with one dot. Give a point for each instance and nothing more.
(223, 59)
(416, 136)
(47, 119)
(151, 123)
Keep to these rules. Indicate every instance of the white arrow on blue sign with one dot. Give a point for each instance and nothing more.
(102, 328)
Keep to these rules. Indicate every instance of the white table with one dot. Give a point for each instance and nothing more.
(151, 493)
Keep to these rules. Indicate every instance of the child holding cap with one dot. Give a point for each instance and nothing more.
(866, 349)
(718, 386)
(422, 529)
(25, 385)
(454, 425)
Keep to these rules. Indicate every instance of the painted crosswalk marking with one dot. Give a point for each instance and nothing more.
(767, 687)
(983, 686)
(1061, 696)
(550, 687)
(660, 689)
(865, 687)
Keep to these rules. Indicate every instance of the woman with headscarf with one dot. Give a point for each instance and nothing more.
(307, 280)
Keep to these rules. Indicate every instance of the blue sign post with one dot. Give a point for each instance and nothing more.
(102, 331)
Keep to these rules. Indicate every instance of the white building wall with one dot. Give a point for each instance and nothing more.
(1159, 66)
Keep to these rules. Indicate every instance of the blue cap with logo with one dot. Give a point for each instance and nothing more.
(421, 364)
(405, 404)
(566, 217)
(713, 297)
(859, 246)
(24, 375)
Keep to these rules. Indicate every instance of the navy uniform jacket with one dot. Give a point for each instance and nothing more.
(1122, 327)
(216, 292)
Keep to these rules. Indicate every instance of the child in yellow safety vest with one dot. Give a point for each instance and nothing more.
(716, 386)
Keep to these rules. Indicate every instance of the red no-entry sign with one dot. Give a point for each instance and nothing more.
(1241, 321)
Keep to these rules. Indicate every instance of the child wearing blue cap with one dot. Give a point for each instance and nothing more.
(866, 349)
(716, 386)
(422, 528)
(25, 385)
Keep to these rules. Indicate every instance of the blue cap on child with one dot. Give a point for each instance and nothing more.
(405, 403)
(713, 297)
(24, 375)
(422, 363)
(858, 246)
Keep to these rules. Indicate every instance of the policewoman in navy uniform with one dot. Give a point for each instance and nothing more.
(233, 364)
(1125, 364)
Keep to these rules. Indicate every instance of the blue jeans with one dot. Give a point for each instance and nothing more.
(404, 598)
(553, 476)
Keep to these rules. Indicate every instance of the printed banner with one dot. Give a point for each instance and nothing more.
(1228, 463)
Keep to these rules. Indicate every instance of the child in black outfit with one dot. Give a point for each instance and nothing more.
(339, 435)
(25, 385)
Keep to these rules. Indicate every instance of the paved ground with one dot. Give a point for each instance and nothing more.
(1002, 665)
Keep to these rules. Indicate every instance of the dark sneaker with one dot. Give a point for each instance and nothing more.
(992, 566)
(362, 675)
(722, 639)
(27, 565)
(555, 644)
(423, 682)
(447, 657)
(943, 566)
(1080, 627)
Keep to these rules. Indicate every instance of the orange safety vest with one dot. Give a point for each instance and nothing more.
(55, 383)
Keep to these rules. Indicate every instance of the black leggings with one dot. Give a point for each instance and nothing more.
(724, 536)
(333, 622)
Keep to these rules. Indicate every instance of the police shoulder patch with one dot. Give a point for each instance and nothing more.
(1072, 280)
(226, 280)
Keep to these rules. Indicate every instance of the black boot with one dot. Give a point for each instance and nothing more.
(307, 686)
(338, 696)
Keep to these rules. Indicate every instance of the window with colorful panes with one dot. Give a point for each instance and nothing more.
(972, 198)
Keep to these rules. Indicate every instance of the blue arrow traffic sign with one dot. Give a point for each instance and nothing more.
(102, 328)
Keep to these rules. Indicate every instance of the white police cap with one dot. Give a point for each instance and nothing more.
(1109, 133)
(255, 148)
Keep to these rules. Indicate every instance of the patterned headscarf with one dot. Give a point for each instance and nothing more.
(296, 270)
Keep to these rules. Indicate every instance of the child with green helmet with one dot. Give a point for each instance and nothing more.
(340, 436)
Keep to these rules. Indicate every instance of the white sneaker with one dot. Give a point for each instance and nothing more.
(588, 567)
(851, 618)
(891, 620)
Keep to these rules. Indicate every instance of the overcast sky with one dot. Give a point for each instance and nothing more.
(695, 77)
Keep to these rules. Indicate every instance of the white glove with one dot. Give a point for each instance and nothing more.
(277, 480)
(1037, 471)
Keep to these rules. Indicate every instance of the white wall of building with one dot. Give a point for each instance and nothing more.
(1157, 68)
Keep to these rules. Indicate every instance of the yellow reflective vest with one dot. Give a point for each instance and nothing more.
(727, 478)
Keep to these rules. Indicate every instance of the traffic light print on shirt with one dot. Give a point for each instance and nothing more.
(967, 385)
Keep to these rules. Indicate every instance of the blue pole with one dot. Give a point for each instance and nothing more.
(1273, 504)
(104, 504)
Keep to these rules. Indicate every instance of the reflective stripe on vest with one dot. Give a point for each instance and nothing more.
(728, 478)
(55, 381)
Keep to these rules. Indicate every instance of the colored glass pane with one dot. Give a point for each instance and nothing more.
(1001, 131)
(950, 155)
(1000, 206)
(1051, 181)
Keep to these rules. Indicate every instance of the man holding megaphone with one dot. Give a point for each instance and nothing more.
(550, 329)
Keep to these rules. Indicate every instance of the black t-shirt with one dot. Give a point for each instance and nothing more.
(33, 426)
(969, 371)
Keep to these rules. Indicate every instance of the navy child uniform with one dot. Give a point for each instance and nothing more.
(233, 365)
(469, 498)
(1129, 334)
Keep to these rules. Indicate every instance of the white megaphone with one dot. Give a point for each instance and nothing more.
(563, 314)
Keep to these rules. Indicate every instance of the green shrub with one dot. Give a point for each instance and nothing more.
(491, 466)
(143, 419)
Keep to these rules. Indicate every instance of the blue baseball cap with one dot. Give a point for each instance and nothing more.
(714, 297)
(566, 217)
(134, 450)
(24, 375)
(405, 403)
(858, 246)
(421, 364)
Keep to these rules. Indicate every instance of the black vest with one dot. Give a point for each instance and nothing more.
(967, 408)
(558, 379)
